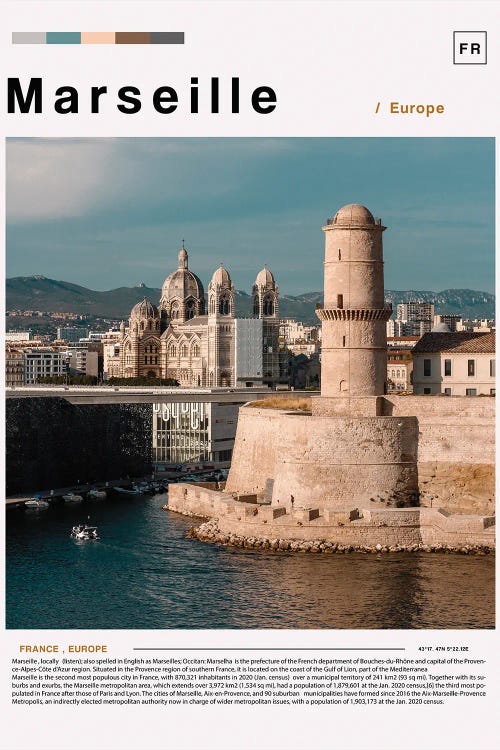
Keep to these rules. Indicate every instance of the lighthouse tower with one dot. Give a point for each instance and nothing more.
(354, 348)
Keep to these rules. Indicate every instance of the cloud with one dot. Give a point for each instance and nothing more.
(51, 179)
(56, 179)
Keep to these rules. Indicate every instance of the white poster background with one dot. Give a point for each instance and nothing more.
(330, 64)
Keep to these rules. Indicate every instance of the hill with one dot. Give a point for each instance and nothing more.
(49, 295)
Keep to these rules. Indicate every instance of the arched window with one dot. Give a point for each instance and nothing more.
(184, 350)
(224, 306)
(190, 309)
(256, 305)
(195, 352)
(268, 306)
(212, 306)
(142, 325)
(172, 351)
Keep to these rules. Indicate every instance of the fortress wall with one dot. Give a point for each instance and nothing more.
(341, 462)
(365, 527)
(456, 453)
(451, 428)
(259, 442)
(326, 461)
(456, 450)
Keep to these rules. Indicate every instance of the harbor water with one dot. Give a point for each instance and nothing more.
(143, 573)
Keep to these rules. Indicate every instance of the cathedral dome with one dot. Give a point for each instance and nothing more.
(144, 309)
(354, 213)
(221, 277)
(265, 278)
(441, 328)
(182, 283)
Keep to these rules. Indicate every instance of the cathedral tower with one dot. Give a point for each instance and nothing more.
(354, 315)
(265, 296)
(221, 329)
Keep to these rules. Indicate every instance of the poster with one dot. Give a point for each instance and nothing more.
(249, 370)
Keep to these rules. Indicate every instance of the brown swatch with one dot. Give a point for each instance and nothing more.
(133, 37)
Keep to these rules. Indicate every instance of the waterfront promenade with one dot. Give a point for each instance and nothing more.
(56, 494)
(143, 395)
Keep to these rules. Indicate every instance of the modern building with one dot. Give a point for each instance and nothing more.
(455, 364)
(39, 363)
(194, 432)
(248, 352)
(416, 318)
(72, 333)
(83, 358)
(184, 339)
(447, 319)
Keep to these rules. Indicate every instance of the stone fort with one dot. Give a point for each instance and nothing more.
(356, 466)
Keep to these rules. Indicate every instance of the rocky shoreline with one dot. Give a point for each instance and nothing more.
(210, 532)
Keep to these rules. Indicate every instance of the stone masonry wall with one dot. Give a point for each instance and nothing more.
(365, 527)
(456, 449)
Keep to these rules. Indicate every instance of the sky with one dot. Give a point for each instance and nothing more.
(113, 212)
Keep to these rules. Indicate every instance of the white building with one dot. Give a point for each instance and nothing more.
(39, 363)
(192, 432)
(83, 361)
(455, 364)
(18, 335)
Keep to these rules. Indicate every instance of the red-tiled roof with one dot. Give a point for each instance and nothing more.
(467, 342)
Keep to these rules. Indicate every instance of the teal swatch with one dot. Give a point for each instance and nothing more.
(64, 37)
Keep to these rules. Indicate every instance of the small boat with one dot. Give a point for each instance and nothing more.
(145, 488)
(72, 498)
(36, 504)
(97, 494)
(82, 531)
(122, 491)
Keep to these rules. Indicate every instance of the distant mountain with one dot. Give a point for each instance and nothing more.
(48, 295)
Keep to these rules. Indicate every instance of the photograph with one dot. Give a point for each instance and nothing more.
(250, 383)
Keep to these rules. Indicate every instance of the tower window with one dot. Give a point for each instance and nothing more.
(224, 306)
(268, 307)
(340, 301)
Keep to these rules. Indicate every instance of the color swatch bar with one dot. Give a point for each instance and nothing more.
(97, 37)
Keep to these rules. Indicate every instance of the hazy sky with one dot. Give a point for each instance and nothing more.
(113, 212)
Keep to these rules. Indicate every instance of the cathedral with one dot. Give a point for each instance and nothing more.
(194, 340)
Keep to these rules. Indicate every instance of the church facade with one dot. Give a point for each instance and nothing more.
(192, 339)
